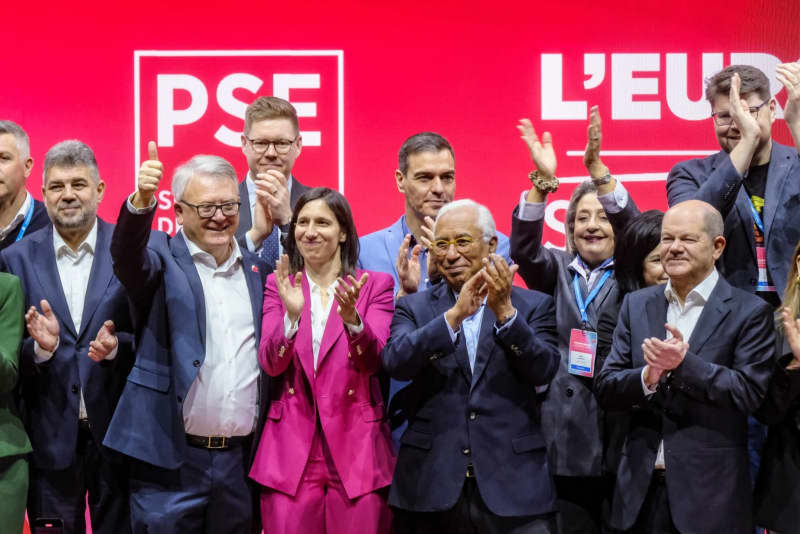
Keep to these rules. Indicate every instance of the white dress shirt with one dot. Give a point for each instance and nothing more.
(18, 218)
(684, 317)
(319, 317)
(223, 399)
(74, 269)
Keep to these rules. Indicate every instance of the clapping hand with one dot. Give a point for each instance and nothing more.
(791, 329)
(347, 296)
(290, 289)
(43, 327)
(665, 355)
(408, 267)
(105, 342)
(594, 138)
(542, 153)
(499, 278)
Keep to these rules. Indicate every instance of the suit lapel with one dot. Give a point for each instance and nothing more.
(334, 327)
(776, 178)
(486, 344)
(256, 290)
(99, 277)
(181, 254)
(304, 342)
(245, 217)
(47, 272)
(656, 310)
(442, 299)
(713, 314)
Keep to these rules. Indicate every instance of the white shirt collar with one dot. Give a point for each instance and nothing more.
(89, 242)
(578, 265)
(701, 291)
(314, 288)
(201, 255)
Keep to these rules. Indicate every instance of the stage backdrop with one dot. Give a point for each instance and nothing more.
(364, 76)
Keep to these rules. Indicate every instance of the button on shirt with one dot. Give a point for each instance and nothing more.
(74, 269)
(319, 317)
(223, 399)
(684, 318)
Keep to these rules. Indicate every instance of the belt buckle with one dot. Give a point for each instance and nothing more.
(470, 471)
(222, 442)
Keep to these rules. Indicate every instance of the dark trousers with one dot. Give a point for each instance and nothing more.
(210, 493)
(62, 493)
(580, 503)
(655, 516)
(470, 515)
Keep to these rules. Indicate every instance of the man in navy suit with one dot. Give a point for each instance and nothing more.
(474, 347)
(689, 362)
(73, 365)
(271, 142)
(193, 405)
(426, 176)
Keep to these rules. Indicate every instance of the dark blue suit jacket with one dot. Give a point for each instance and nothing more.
(700, 411)
(715, 180)
(50, 390)
(169, 309)
(487, 418)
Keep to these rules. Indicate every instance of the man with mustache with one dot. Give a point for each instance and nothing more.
(690, 360)
(73, 366)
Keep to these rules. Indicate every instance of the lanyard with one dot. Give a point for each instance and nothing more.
(26, 222)
(582, 306)
(756, 217)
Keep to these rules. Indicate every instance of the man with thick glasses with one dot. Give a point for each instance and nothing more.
(195, 400)
(474, 348)
(751, 179)
(271, 142)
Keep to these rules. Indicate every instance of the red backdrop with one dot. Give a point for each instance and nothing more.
(370, 74)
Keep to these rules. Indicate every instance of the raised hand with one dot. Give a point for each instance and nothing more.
(542, 153)
(427, 239)
(105, 342)
(43, 327)
(408, 268)
(499, 278)
(789, 76)
(262, 217)
(469, 300)
(275, 191)
(150, 173)
(740, 111)
(290, 289)
(791, 329)
(594, 138)
(347, 296)
(665, 355)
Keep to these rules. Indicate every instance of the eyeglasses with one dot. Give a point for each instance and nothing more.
(206, 211)
(281, 146)
(463, 244)
(723, 118)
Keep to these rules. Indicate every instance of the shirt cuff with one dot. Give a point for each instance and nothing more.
(498, 329)
(250, 245)
(615, 201)
(450, 330)
(140, 211)
(648, 390)
(530, 211)
(355, 329)
(289, 329)
(40, 355)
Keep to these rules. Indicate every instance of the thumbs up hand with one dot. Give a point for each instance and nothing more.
(150, 174)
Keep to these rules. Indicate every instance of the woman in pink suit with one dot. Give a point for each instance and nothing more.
(325, 458)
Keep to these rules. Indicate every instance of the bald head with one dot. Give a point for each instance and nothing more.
(691, 242)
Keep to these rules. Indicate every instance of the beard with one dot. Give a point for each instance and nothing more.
(81, 219)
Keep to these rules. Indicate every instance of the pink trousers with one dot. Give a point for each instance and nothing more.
(321, 505)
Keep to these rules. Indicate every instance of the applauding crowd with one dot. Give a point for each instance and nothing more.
(267, 368)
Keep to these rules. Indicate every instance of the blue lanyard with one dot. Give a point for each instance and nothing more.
(26, 222)
(582, 306)
(756, 217)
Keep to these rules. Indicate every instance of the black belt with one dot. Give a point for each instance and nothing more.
(216, 442)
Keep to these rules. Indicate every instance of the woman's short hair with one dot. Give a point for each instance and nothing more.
(572, 210)
(639, 238)
(341, 210)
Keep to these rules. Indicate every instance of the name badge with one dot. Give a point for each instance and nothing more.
(582, 348)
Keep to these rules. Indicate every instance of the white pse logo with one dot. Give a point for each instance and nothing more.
(168, 117)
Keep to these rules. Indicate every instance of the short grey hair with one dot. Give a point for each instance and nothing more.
(21, 137)
(204, 165)
(485, 220)
(713, 223)
(72, 153)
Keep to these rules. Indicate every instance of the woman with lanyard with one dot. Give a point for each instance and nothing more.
(581, 281)
(325, 457)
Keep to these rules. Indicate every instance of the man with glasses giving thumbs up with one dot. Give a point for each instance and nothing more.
(193, 404)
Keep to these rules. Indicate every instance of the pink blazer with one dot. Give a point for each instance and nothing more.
(344, 390)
